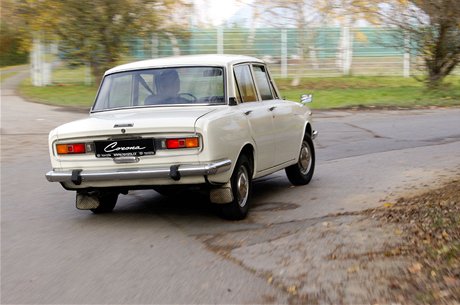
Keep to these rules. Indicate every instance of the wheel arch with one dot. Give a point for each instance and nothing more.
(308, 129)
(248, 151)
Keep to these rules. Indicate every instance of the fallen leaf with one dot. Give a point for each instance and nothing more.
(353, 269)
(388, 204)
(415, 268)
(270, 280)
(444, 234)
(444, 293)
(292, 289)
(451, 281)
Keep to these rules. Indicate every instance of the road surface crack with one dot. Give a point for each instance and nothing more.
(374, 134)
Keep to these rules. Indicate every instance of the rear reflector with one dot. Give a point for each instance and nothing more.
(66, 149)
(182, 143)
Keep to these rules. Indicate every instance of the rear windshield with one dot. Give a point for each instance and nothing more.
(161, 87)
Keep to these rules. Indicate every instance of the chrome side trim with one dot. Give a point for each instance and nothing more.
(142, 173)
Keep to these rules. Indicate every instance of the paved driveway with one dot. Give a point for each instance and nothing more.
(154, 249)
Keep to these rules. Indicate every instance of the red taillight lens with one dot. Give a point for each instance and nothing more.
(66, 149)
(182, 143)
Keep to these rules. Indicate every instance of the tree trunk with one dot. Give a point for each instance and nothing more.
(440, 59)
(437, 71)
(434, 79)
(97, 70)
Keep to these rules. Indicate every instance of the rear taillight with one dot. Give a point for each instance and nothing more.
(73, 148)
(176, 143)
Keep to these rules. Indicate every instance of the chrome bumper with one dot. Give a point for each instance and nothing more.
(174, 172)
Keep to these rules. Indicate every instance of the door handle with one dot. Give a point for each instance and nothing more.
(248, 112)
(272, 108)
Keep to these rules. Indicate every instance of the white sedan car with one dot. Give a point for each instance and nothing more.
(214, 121)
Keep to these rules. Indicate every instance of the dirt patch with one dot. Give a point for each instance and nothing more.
(341, 260)
(430, 226)
(338, 259)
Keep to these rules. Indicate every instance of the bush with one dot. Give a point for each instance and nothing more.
(10, 52)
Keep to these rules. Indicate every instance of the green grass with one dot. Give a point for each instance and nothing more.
(344, 92)
(11, 67)
(328, 92)
(68, 89)
(7, 74)
(65, 75)
(70, 95)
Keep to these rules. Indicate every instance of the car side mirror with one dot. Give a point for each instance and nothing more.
(306, 98)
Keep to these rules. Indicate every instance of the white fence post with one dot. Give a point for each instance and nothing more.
(220, 40)
(347, 52)
(406, 57)
(35, 63)
(154, 46)
(88, 79)
(284, 54)
(40, 70)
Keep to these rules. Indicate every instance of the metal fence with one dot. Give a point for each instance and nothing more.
(293, 53)
(326, 51)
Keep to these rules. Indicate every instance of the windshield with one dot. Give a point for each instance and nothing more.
(159, 87)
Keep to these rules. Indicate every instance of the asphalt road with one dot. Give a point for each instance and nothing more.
(154, 249)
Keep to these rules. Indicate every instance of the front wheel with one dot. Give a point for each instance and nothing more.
(241, 182)
(302, 172)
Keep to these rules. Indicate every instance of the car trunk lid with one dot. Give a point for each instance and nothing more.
(135, 121)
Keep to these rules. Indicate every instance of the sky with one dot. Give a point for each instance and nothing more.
(216, 11)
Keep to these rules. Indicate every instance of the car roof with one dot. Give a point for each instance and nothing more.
(188, 60)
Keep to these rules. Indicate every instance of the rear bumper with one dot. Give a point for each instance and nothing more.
(175, 172)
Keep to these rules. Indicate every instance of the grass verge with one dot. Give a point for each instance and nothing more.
(68, 95)
(371, 92)
(7, 74)
(329, 93)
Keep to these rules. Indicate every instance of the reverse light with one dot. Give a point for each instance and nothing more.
(67, 149)
(193, 142)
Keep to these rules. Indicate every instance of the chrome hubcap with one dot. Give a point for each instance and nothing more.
(305, 159)
(242, 186)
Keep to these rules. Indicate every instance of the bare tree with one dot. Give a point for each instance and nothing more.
(305, 15)
(290, 13)
(434, 30)
(432, 25)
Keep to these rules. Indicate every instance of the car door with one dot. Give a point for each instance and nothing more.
(286, 128)
(259, 117)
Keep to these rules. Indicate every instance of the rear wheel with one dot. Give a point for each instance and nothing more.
(107, 202)
(302, 172)
(167, 190)
(241, 182)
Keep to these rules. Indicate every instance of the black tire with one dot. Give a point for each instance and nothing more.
(168, 190)
(107, 202)
(302, 172)
(241, 182)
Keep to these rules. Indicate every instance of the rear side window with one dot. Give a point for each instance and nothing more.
(245, 83)
(263, 83)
